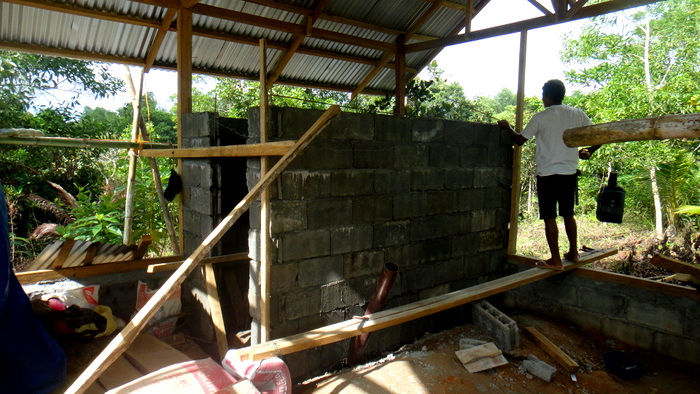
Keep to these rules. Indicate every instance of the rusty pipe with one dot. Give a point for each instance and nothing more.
(376, 304)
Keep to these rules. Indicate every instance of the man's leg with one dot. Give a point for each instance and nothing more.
(572, 235)
(552, 233)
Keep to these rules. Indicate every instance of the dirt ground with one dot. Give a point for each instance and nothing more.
(429, 365)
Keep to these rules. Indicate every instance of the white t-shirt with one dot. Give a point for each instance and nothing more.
(552, 155)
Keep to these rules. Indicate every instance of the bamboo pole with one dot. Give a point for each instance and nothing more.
(155, 172)
(66, 142)
(659, 128)
(517, 150)
(131, 177)
(277, 148)
(265, 255)
(122, 341)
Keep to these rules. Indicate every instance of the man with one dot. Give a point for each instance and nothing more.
(557, 166)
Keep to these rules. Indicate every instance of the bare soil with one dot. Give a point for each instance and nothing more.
(429, 365)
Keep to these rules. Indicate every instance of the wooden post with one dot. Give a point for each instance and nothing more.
(217, 316)
(265, 263)
(122, 341)
(184, 84)
(517, 150)
(131, 177)
(400, 72)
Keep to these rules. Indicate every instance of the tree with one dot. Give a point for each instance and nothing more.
(638, 65)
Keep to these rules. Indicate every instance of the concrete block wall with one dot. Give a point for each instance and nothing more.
(430, 195)
(636, 315)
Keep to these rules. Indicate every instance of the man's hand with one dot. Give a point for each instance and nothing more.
(586, 153)
(517, 137)
(504, 124)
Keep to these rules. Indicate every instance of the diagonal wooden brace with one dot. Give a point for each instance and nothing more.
(122, 341)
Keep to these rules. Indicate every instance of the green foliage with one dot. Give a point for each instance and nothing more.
(96, 221)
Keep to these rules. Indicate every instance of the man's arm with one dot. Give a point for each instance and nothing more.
(586, 153)
(518, 138)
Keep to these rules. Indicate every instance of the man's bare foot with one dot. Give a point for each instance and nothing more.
(550, 264)
(571, 255)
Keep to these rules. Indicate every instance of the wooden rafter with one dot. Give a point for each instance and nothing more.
(529, 24)
(540, 7)
(158, 40)
(298, 39)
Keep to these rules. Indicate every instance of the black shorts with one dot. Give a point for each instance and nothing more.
(556, 189)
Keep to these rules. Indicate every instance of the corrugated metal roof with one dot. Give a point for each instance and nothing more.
(344, 45)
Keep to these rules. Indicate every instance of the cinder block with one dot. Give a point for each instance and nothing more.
(602, 302)
(659, 317)
(627, 332)
(351, 126)
(373, 154)
(459, 178)
(539, 368)
(351, 238)
(427, 179)
(676, 346)
(459, 132)
(425, 227)
(491, 240)
(286, 215)
(428, 130)
(409, 205)
(329, 213)
(472, 199)
(500, 327)
(446, 156)
(302, 303)
(304, 244)
(485, 177)
(392, 128)
(363, 263)
(472, 156)
(371, 209)
(391, 233)
(410, 156)
(320, 271)
(392, 182)
(484, 219)
(324, 155)
(352, 183)
(443, 202)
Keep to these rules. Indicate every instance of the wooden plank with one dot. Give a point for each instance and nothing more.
(149, 354)
(141, 249)
(674, 265)
(641, 283)
(105, 253)
(553, 350)
(63, 254)
(278, 148)
(217, 317)
(76, 256)
(90, 254)
(168, 263)
(119, 373)
(44, 259)
(265, 251)
(388, 318)
(122, 341)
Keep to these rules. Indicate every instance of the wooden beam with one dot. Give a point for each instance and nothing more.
(68, 142)
(530, 24)
(265, 241)
(553, 350)
(540, 7)
(659, 128)
(641, 283)
(121, 342)
(586, 257)
(63, 253)
(517, 150)
(217, 317)
(391, 317)
(674, 265)
(278, 148)
(158, 264)
(400, 74)
(158, 39)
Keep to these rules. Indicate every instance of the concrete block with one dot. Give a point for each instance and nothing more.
(391, 233)
(302, 303)
(655, 316)
(491, 240)
(472, 199)
(410, 156)
(298, 185)
(445, 156)
(496, 196)
(457, 223)
(373, 154)
(286, 215)
(332, 297)
(484, 219)
(403, 255)
(392, 182)
(304, 244)
(433, 250)
(461, 133)
(292, 123)
(410, 205)
(324, 155)
(465, 245)
(284, 278)
(319, 271)
(443, 202)
(201, 124)
(428, 130)
(627, 332)
(371, 209)
(487, 134)
(435, 291)
(539, 368)
(427, 179)
(425, 227)
(352, 183)
(329, 213)
(459, 178)
(417, 278)
(363, 263)
(351, 238)
(613, 305)
(446, 271)
(679, 347)
(473, 156)
(500, 327)
(351, 126)
(485, 177)
(392, 128)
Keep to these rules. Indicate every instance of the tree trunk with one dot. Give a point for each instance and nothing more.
(657, 203)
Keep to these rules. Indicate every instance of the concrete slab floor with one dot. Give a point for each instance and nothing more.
(429, 365)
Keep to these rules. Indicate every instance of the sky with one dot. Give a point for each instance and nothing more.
(483, 68)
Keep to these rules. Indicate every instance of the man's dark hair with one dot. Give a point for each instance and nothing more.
(555, 90)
